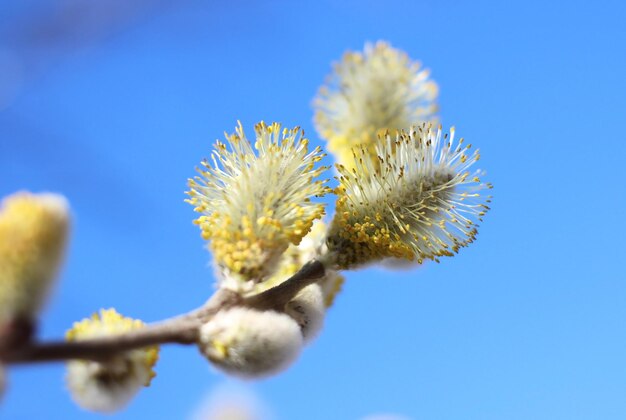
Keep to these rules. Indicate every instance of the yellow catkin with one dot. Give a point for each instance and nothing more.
(109, 322)
(108, 385)
(369, 93)
(419, 201)
(255, 198)
(33, 234)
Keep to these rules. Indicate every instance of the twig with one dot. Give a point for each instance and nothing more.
(278, 296)
(182, 329)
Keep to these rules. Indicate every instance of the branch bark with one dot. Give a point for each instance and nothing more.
(277, 297)
(183, 329)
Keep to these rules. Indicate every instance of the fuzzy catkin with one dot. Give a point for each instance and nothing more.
(108, 386)
(308, 310)
(254, 197)
(249, 343)
(33, 235)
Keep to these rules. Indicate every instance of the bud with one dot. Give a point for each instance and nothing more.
(250, 343)
(33, 234)
(108, 386)
(308, 310)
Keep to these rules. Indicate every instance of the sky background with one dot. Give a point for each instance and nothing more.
(115, 104)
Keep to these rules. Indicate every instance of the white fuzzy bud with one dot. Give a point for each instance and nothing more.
(308, 310)
(108, 386)
(250, 343)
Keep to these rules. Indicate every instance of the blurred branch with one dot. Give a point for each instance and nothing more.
(183, 329)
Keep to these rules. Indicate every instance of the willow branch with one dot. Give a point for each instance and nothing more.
(183, 329)
(278, 296)
(104, 347)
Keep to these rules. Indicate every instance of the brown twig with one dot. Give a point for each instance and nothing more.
(182, 329)
(278, 296)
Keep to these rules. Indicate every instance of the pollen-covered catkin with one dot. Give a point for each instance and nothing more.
(33, 235)
(250, 343)
(369, 92)
(108, 386)
(420, 201)
(255, 198)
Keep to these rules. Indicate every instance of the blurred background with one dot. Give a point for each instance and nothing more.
(114, 103)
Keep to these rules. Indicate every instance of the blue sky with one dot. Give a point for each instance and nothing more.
(527, 323)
